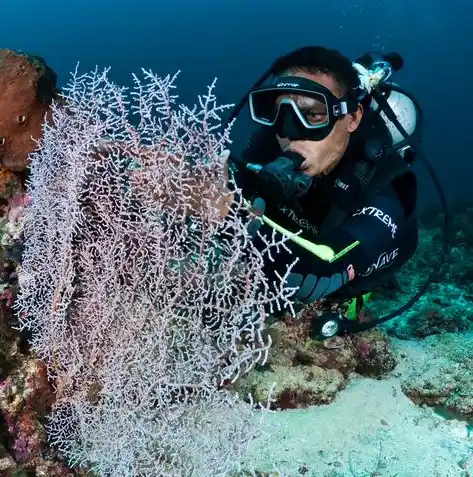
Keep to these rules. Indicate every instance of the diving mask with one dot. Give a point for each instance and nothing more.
(298, 108)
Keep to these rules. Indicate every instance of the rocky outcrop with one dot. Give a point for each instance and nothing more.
(443, 380)
(306, 372)
(27, 87)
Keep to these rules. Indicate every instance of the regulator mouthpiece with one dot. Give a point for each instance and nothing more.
(281, 179)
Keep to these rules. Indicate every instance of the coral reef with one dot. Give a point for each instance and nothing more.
(306, 372)
(448, 304)
(134, 287)
(27, 86)
(25, 392)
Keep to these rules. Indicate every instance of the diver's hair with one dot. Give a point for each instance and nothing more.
(317, 59)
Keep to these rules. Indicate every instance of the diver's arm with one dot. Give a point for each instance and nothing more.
(262, 147)
(243, 178)
(369, 238)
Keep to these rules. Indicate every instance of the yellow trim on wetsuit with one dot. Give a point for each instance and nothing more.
(324, 252)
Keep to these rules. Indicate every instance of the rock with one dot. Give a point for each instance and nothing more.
(308, 372)
(27, 87)
(432, 321)
(443, 381)
(373, 355)
(296, 387)
(330, 354)
(7, 462)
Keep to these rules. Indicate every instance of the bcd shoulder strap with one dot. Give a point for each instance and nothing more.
(370, 174)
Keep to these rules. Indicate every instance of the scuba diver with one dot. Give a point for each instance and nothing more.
(330, 167)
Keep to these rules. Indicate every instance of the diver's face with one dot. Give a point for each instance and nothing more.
(322, 156)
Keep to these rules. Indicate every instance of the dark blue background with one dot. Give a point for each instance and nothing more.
(235, 40)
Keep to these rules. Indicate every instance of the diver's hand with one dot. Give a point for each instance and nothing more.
(217, 193)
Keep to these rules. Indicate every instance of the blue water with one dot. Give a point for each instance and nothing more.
(236, 40)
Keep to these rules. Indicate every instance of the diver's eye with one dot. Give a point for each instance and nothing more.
(315, 117)
(22, 119)
(2, 140)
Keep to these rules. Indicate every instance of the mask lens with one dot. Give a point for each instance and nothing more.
(312, 110)
(263, 106)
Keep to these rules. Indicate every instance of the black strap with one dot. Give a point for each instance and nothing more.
(371, 175)
(392, 167)
(359, 304)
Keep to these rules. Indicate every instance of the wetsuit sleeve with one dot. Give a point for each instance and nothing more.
(368, 240)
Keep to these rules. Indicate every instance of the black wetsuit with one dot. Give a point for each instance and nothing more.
(384, 223)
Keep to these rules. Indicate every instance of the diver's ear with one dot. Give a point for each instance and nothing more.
(355, 118)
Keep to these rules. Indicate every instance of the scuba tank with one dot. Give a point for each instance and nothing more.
(374, 71)
(402, 117)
